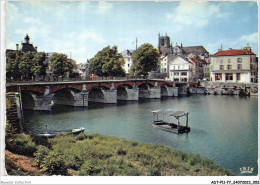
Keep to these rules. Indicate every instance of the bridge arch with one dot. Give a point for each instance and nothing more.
(96, 95)
(28, 101)
(64, 96)
(54, 89)
(149, 84)
(164, 90)
(122, 93)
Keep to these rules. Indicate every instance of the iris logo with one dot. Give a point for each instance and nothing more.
(246, 170)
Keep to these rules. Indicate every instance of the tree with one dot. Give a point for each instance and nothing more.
(39, 68)
(60, 64)
(107, 62)
(145, 59)
(12, 62)
(26, 64)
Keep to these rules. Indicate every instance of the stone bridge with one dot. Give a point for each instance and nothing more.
(43, 95)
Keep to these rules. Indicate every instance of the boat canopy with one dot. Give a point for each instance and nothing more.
(170, 112)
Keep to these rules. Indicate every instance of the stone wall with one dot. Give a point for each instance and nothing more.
(221, 88)
(14, 116)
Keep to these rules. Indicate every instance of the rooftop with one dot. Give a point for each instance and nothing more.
(232, 52)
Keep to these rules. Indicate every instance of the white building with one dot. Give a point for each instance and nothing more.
(165, 60)
(233, 65)
(181, 70)
(127, 56)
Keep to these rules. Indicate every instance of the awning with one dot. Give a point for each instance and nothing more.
(170, 112)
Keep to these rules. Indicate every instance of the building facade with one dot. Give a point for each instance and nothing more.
(233, 65)
(181, 70)
(197, 55)
(127, 56)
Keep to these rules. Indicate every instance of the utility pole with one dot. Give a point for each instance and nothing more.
(136, 43)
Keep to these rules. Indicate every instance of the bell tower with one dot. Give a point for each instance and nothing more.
(27, 39)
(164, 44)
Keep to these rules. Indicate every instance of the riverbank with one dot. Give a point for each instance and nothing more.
(101, 155)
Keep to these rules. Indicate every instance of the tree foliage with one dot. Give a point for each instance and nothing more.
(107, 62)
(12, 62)
(25, 65)
(60, 64)
(145, 59)
(39, 68)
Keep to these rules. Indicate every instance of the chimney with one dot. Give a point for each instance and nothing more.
(248, 48)
(17, 47)
(219, 49)
(36, 48)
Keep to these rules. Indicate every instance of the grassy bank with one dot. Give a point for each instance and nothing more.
(100, 155)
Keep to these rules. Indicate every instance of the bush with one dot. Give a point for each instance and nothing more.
(194, 159)
(90, 167)
(62, 138)
(21, 144)
(41, 153)
(54, 163)
(154, 172)
(81, 136)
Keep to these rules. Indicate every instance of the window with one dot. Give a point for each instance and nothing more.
(128, 65)
(221, 61)
(228, 60)
(229, 67)
(176, 79)
(183, 73)
(176, 73)
(218, 76)
(238, 76)
(239, 60)
(221, 67)
(179, 67)
(229, 76)
(239, 66)
(174, 67)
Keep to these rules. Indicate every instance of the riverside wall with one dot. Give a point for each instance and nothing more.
(220, 88)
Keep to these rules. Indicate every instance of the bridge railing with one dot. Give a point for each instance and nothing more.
(80, 79)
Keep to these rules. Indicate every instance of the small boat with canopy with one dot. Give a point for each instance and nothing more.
(176, 127)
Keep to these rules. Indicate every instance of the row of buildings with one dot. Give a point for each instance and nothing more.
(194, 63)
(185, 64)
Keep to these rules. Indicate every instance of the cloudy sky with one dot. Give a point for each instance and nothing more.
(83, 28)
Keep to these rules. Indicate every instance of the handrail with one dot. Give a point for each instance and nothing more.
(9, 81)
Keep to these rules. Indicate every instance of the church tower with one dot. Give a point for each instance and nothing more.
(164, 44)
(26, 46)
(27, 39)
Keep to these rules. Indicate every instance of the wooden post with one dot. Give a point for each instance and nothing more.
(178, 123)
(187, 119)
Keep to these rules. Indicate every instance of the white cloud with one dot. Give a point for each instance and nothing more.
(197, 14)
(104, 6)
(12, 11)
(251, 38)
(31, 20)
(84, 5)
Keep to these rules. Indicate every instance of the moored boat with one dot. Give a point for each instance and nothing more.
(171, 127)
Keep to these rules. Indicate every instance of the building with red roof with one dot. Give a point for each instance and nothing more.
(234, 65)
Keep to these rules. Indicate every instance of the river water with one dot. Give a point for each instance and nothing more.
(223, 128)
